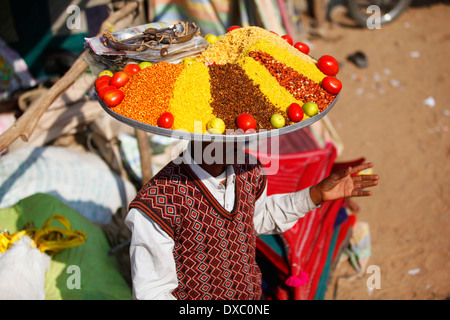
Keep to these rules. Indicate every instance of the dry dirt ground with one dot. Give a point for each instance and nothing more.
(382, 116)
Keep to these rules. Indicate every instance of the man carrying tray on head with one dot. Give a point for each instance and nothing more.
(194, 224)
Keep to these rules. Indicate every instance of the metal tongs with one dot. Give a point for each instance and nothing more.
(152, 38)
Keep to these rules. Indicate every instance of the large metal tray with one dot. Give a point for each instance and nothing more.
(178, 134)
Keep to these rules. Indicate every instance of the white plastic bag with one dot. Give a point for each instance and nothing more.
(22, 271)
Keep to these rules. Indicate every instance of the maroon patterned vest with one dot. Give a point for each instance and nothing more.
(214, 249)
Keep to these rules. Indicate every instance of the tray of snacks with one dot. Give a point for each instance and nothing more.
(247, 84)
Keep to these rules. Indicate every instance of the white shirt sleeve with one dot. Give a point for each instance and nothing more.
(278, 213)
(153, 267)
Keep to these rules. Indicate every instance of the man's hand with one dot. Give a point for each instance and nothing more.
(343, 185)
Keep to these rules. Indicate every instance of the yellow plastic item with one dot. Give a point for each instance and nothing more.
(366, 171)
(48, 239)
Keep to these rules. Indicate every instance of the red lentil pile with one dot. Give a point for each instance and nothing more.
(148, 93)
(233, 93)
(297, 84)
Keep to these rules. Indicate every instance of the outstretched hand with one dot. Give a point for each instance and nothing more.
(344, 184)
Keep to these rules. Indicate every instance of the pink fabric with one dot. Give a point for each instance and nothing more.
(297, 281)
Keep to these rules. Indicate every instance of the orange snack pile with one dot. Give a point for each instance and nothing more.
(148, 93)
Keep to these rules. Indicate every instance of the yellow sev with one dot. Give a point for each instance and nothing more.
(309, 70)
(191, 99)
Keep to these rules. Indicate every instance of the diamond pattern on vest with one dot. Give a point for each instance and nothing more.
(214, 254)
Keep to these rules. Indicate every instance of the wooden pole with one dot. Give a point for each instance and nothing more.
(145, 154)
(320, 14)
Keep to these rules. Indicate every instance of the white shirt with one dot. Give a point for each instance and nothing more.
(153, 268)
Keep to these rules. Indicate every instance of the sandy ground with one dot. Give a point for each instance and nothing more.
(381, 115)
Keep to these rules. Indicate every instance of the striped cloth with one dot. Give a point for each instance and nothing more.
(216, 16)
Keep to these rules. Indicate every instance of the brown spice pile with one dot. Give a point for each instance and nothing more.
(233, 93)
(297, 84)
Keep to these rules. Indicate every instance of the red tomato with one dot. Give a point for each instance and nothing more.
(165, 120)
(102, 81)
(288, 39)
(245, 121)
(274, 32)
(232, 28)
(302, 47)
(332, 85)
(119, 79)
(295, 112)
(328, 65)
(102, 78)
(131, 69)
(103, 90)
(112, 98)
